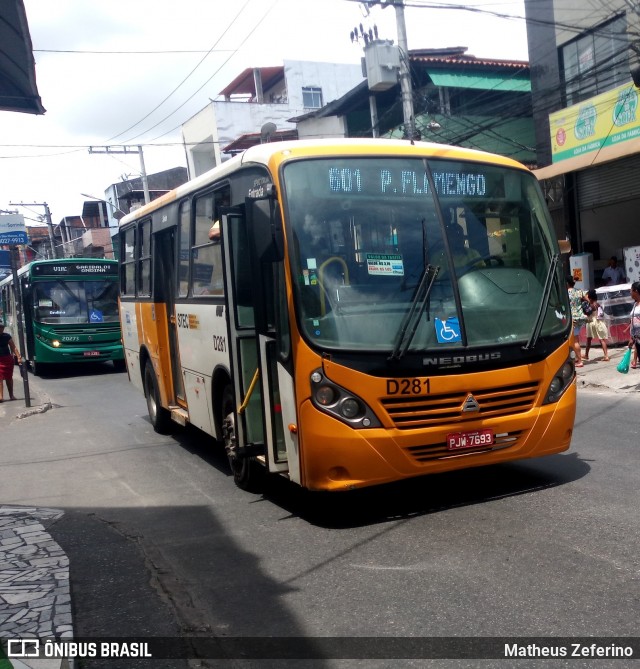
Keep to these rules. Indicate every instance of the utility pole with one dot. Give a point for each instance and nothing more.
(47, 216)
(128, 149)
(143, 173)
(17, 288)
(404, 74)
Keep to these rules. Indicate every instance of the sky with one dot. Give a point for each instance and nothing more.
(130, 72)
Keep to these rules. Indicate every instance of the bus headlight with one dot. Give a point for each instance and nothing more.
(350, 408)
(560, 381)
(338, 402)
(55, 343)
(325, 395)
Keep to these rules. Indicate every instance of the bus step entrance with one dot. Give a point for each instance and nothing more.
(179, 416)
(250, 450)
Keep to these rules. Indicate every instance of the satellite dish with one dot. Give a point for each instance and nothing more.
(266, 132)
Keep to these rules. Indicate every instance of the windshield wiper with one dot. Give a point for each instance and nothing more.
(542, 309)
(411, 318)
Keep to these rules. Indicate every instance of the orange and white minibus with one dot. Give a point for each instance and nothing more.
(352, 312)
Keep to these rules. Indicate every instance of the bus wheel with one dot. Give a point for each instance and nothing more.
(248, 473)
(160, 417)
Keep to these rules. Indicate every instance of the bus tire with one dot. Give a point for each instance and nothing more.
(248, 473)
(159, 416)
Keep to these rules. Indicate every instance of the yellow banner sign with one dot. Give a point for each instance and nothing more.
(604, 120)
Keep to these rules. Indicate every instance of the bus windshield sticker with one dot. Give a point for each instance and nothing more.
(383, 264)
(447, 331)
(96, 316)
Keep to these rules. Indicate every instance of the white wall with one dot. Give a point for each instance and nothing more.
(335, 79)
(200, 138)
(223, 122)
(315, 128)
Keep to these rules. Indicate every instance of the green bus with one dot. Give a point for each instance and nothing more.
(69, 311)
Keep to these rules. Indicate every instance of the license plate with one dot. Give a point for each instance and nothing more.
(458, 441)
(91, 354)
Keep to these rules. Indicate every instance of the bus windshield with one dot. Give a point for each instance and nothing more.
(365, 233)
(64, 301)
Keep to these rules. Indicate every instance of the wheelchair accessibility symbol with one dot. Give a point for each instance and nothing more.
(95, 316)
(447, 331)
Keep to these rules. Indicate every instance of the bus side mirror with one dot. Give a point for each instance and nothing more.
(565, 246)
(265, 222)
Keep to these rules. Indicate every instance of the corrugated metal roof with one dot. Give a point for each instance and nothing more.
(457, 58)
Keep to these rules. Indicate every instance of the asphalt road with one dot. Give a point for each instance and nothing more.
(162, 543)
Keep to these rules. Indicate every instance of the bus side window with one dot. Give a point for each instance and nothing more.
(128, 269)
(184, 246)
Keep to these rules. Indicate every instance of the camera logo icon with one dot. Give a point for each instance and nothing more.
(17, 648)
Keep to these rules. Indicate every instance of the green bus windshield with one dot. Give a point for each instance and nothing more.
(65, 301)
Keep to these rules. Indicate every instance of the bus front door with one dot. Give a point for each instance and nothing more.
(259, 381)
(166, 255)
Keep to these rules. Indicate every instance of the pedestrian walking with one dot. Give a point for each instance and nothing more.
(596, 327)
(579, 318)
(8, 351)
(634, 329)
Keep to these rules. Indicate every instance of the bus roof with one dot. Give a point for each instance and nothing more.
(273, 153)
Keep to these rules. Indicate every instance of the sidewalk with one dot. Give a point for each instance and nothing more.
(603, 376)
(35, 596)
(35, 599)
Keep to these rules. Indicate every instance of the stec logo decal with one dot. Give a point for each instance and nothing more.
(188, 321)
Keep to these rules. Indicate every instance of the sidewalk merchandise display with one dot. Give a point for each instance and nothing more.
(617, 304)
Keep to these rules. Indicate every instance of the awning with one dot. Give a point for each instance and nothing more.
(490, 81)
(18, 90)
(591, 159)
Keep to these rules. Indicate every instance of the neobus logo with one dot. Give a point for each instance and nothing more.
(188, 321)
(442, 361)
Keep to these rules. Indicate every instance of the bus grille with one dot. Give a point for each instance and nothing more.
(436, 410)
(440, 451)
(90, 330)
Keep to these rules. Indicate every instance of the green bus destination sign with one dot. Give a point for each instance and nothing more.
(72, 269)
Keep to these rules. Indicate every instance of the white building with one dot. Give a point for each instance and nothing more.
(260, 96)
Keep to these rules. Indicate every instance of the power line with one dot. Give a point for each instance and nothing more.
(185, 79)
(256, 26)
(130, 53)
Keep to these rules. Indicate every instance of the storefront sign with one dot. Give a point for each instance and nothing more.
(13, 230)
(604, 120)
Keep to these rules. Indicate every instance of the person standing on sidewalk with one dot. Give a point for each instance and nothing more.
(634, 330)
(7, 351)
(596, 327)
(576, 298)
(613, 275)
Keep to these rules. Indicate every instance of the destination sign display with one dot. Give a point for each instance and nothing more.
(73, 269)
